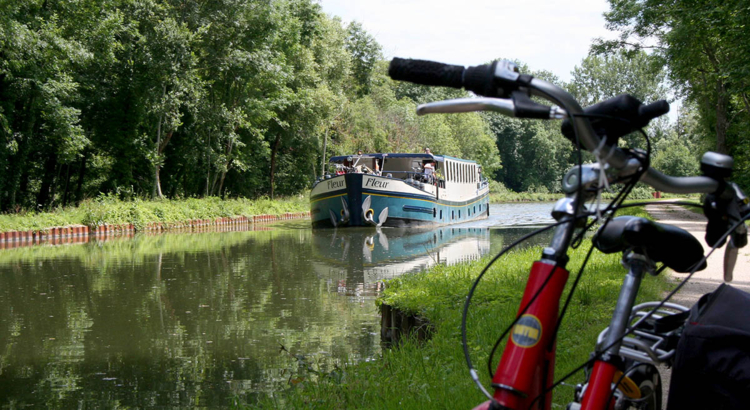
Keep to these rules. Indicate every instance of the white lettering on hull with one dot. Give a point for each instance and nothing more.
(375, 183)
(334, 184)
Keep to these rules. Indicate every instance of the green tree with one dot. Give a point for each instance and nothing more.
(599, 77)
(706, 46)
(365, 53)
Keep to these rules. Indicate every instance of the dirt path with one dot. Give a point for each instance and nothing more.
(706, 280)
(710, 278)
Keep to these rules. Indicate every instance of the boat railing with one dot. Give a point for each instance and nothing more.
(414, 178)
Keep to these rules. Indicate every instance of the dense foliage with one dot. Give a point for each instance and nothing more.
(705, 46)
(180, 98)
(185, 98)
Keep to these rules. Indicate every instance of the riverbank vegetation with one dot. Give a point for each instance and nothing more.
(158, 98)
(109, 209)
(500, 194)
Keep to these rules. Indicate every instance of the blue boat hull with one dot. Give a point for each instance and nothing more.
(404, 210)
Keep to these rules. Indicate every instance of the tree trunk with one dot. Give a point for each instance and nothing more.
(208, 164)
(81, 174)
(274, 151)
(746, 101)
(157, 180)
(722, 124)
(55, 183)
(18, 173)
(23, 187)
(221, 184)
(66, 191)
(43, 198)
(323, 160)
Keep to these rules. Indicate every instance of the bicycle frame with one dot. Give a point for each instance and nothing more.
(526, 368)
(527, 361)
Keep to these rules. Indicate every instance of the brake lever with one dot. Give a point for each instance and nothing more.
(505, 106)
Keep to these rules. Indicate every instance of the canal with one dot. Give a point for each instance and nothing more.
(211, 319)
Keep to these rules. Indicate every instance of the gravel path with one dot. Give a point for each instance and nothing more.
(706, 280)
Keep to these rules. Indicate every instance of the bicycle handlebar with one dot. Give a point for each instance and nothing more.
(501, 79)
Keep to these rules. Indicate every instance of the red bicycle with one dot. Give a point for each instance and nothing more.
(621, 373)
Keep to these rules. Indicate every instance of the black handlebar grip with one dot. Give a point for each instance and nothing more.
(481, 80)
(426, 72)
(655, 109)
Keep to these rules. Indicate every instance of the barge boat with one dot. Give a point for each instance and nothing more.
(399, 190)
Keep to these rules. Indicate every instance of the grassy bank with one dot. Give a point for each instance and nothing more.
(434, 375)
(110, 210)
(500, 194)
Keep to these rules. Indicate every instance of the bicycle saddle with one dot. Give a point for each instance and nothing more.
(673, 246)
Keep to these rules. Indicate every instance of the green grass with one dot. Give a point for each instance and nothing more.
(111, 210)
(510, 196)
(433, 374)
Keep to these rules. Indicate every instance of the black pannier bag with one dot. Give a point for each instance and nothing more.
(712, 363)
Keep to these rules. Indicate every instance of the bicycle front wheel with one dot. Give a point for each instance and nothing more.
(648, 380)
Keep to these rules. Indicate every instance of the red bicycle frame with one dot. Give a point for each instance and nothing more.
(528, 362)
(526, 369)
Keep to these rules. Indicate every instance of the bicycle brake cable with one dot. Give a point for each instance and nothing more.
(610, 210)
(579, 196)
(630, 329)
(475, 284)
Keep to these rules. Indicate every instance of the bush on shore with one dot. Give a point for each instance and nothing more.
(109, 209)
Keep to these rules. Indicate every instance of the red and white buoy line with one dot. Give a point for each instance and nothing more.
(82, 233)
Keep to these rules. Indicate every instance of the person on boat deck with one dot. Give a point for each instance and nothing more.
(427, 151)
(429, 170)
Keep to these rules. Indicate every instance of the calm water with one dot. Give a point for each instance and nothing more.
(208, 319)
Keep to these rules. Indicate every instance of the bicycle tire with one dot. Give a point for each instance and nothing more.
(648, 380)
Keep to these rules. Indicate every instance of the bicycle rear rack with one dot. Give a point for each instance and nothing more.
(644, 346)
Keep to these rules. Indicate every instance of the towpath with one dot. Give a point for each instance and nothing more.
(706, 280)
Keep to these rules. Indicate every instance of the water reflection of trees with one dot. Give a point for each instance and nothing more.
(179, 320)
(194, 320)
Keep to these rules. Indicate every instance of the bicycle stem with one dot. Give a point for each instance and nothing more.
(618, 159)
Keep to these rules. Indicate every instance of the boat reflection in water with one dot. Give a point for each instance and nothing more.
(356, 261)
